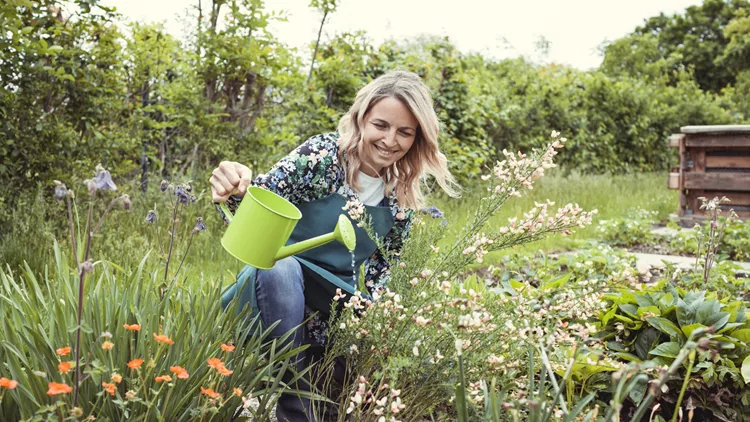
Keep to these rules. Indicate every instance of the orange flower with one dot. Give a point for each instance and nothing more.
(117, 378)
(9, 384)
(163, 378)
(227, 347)
(163, 338)
(180, 371)
(63, 351)
(107, 345)
(237, 392)
(219, 366)
(135, 363)
(64, 367)
(210, 392)
(109, 387)
(224, 371)
(55, 389)
(132, 327)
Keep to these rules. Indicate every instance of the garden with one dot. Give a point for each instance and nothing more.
(522, 300)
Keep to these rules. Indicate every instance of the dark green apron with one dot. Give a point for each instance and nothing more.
(325, 268)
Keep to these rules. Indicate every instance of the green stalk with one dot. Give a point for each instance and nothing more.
(684, 386)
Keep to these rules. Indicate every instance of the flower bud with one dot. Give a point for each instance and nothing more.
(87, 267)
(126, 202)
(199, 225)
(60, 191)
(151, 216)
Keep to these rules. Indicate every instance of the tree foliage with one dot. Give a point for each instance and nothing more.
(78, 91)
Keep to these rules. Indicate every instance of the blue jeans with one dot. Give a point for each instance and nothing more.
(280, 293)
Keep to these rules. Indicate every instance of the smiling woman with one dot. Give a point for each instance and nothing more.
(386, 144)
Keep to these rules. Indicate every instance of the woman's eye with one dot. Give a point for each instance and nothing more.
(378, 125)
(405, 133)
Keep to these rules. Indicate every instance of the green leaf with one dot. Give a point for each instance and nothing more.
(668, 350)
(688, 329)
(746, 370)
(667, 327)
(742, 335)
(645, 341)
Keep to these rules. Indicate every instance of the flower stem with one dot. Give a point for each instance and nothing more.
(185, 254)
(81, 281)
(171, 244)
(72, 231)
(684, 385)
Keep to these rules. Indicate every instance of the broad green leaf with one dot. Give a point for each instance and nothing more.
(668, 350)
(742, 335)
(746, 370)
(667, 327)
(688, 329)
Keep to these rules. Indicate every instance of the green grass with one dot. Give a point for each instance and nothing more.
(612, 195)
(125, 237)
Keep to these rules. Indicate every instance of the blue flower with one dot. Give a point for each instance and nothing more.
(60, 191)
(103, 179)
(182, 192)
(199, 225)
(151, 216)
(433, 211)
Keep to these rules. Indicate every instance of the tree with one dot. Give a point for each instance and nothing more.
(697, 37)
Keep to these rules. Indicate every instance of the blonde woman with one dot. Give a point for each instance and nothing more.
(386, 144)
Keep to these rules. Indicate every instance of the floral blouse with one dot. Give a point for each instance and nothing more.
(313, 171)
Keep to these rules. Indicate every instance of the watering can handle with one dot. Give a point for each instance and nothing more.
(225, 209)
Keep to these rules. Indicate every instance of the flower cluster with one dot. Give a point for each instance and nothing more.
(383, 402)
(355, 209)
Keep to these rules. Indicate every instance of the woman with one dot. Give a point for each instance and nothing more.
(386, 144)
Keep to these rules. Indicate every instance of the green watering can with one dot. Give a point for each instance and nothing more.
(262, 225)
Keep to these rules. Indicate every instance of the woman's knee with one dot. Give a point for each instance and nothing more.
(284, 277)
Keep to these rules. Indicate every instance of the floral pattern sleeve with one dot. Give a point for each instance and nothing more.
(309, 172)
(377, 269)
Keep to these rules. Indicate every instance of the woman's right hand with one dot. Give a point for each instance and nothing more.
(230, 178)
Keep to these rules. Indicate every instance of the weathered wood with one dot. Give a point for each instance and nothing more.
(673, 182)
(723, 181)
(718, 129)
(674, 140)
(735, 198)
(721, 161)
(734, 141)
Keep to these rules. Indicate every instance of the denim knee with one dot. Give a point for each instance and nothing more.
(280, 294)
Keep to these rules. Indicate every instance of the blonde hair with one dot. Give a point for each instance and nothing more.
(423, 158)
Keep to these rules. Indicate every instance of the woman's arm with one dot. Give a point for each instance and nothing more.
(305, 174)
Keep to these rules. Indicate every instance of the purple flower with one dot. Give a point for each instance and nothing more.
(103, 179)
(87, 266)
(164, 185)
(151, 216)
(126, 202)
(60, 191)
(433, 211)
(199, 225)
(183, 195)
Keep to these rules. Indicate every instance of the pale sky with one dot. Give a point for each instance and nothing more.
(496, 28)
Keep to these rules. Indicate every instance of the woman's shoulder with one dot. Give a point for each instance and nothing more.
(327, 142)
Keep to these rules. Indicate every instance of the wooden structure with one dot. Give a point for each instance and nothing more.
(714, 161)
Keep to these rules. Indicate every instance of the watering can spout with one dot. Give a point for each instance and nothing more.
(344, 233)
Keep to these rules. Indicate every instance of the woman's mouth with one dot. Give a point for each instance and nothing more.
(384, 151)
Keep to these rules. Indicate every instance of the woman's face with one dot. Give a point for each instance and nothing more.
(389, 131)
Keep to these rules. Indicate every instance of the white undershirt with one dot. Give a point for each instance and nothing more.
(372, 189)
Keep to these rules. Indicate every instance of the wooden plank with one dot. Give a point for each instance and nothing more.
(716, 129)
(673, 181)
(736, 141)
(674, 140)
(735, 198)
(718, 161)
(717, 181)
